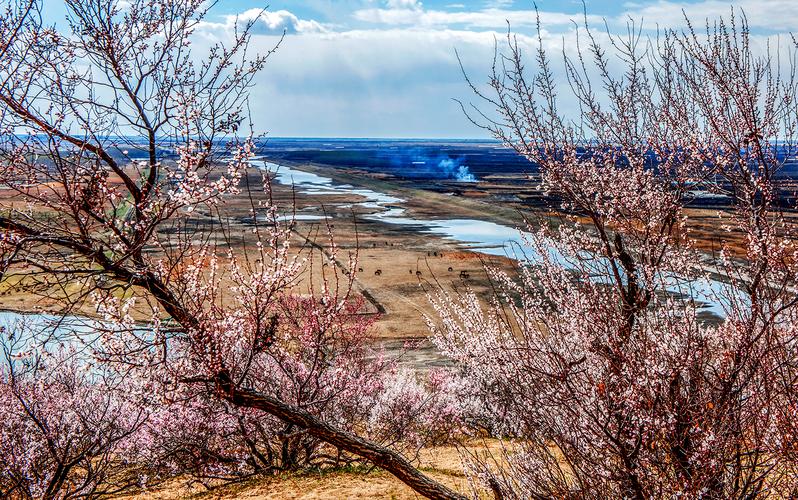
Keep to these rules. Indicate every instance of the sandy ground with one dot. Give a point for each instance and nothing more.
(441, 463)
(397, 264)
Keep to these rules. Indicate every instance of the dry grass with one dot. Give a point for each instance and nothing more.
(441, 463)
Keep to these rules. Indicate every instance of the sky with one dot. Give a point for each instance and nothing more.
(388, 68)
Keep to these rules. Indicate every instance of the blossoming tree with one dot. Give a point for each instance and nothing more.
(595, 361)
(118, 148)
(68, 429)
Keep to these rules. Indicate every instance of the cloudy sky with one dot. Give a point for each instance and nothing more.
(387, 68)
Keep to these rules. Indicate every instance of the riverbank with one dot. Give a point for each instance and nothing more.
(407, 240)
(398, 260)
(396, 206)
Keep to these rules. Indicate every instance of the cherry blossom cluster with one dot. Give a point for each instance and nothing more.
(598, 361)
(68, 428)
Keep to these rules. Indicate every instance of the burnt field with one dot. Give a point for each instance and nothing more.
(472, 168)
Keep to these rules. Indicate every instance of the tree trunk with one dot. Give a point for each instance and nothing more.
(381, 456)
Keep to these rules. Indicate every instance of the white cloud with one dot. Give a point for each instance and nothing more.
(401, 79)
(487, 18)
(271, 22)
(391, 82)
(773, 15)
(500, 3)
(403, 4)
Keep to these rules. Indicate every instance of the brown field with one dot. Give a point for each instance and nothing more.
(398, 264)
